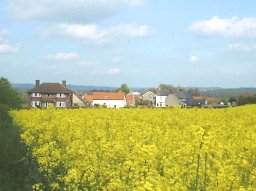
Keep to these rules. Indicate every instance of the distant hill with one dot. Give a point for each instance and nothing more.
(23, 86)
(228, 92)
(79, 88)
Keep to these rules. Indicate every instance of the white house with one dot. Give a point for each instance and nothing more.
(149, 97)
(160, 99)
(107, 99)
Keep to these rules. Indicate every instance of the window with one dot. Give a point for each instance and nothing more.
(60, 95)
(36, 95)
(33, 104)
(38, 103)
(60, 104)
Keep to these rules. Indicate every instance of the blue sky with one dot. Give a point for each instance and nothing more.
(139, 42)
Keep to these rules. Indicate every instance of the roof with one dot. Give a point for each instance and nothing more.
(195, 102)
(88, 98)
(78, 97)
(184, 95)
(50, 88)
(148, 92)
(199, 97)
(212, 100)
(105, 96)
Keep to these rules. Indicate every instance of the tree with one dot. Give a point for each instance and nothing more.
(232, 100)
(124, 88)
(194, 92)
(9, 99)
(18, 174)
(243, 100)
(167, 88)
(8, 95)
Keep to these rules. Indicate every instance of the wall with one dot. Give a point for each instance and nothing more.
(161, 101)
(110, 103)
(172, 100)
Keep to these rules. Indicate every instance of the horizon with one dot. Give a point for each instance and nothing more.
(143, 43)
(138, 87)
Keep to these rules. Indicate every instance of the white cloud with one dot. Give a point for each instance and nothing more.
(6, 48)
(67, 10)
(65, 56)
(242, 47)
(98, 35)
(113, 71)
(194, 59)
(226, 27)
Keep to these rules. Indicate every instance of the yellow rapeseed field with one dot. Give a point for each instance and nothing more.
(142, 149)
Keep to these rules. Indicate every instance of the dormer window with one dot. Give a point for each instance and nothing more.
(36, 95)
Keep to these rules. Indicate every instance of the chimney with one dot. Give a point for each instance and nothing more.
(37, 83)
(64, 83)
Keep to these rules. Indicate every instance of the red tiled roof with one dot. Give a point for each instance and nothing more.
(104, 96)
(88, 98)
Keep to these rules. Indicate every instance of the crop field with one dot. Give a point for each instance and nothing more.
(142, 149)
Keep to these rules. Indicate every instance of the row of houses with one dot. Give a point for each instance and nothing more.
(45, 95)
(58, 95)
(166, 99)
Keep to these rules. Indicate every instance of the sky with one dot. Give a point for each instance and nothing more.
(199, 43)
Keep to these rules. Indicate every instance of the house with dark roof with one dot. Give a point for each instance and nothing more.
(44, 95)
(186, 99)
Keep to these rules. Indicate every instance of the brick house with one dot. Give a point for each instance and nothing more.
(50, 94)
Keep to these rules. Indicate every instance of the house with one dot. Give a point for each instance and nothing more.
(213, 101)
(135, 93)
(160, 99)
(106, 99)
(133, 98)
(172, 100)
(200, 100)
(149, 97)
(130, 100)
(77, 101)
(184, 98)
(197, 102)
(50, 94)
